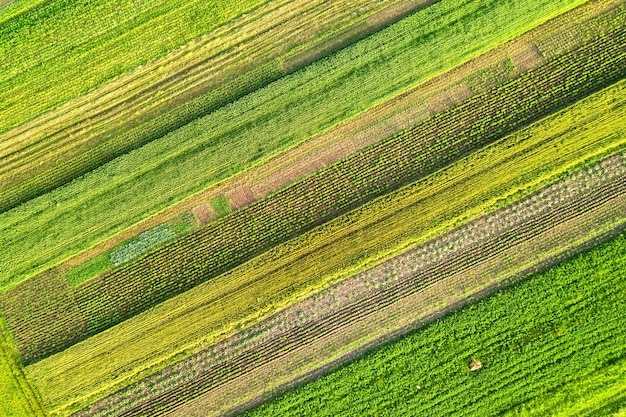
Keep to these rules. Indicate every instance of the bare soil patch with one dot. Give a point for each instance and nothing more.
(240, 196)
(528, 59)
(204, 213)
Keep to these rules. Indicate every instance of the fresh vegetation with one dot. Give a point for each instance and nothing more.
(601, 392)
(312, 207)
(376, 170)
(94, 42)
(149, 341)
(557, 326)
(221, 205)
(379, 122)
(17, 398)
(146, 181)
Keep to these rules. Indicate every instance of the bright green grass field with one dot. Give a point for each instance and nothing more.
(64, 48)
(554, 328)
(601, 393)
(267, 122)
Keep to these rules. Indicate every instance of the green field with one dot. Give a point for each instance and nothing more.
(148, 180)
(599, 393)
(521, 163)
(94, 42)
(17, 398)
(560, 325)
(312, 208)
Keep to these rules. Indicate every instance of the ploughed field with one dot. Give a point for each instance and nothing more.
(287, 207)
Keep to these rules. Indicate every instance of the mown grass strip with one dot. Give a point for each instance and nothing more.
(17, 398)
(557, 326)
(501, 173)
(273, 119)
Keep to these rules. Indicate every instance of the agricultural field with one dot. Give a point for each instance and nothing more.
(289, 207)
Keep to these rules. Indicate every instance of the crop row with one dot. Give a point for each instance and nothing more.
(153, 103)
(600, 393)
(415, 153)
(554, 328)
(267, 122)
(507, 170)
(456, 252)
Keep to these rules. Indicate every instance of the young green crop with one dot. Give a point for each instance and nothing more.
(556, 327)
(69, 47)
(162, 173)
(602, 392)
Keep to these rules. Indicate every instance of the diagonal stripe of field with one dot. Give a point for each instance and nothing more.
(507, 170)
(155, 99)
(162, 173)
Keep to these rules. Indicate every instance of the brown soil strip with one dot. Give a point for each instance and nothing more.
(393, 297)
(363, 130)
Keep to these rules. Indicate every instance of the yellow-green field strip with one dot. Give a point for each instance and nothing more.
(553, 330)
(17, 397)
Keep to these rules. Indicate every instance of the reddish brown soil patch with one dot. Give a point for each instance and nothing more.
(204, 213)
(240, 196)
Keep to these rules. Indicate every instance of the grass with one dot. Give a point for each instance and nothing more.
(285, 113)
(9, 8)
(17, 399)
(514, 166)
(551, 239)
(179, 226)
(221, 205)
(94, 42)
(90, 269)
(601, 392)
(556, 327)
